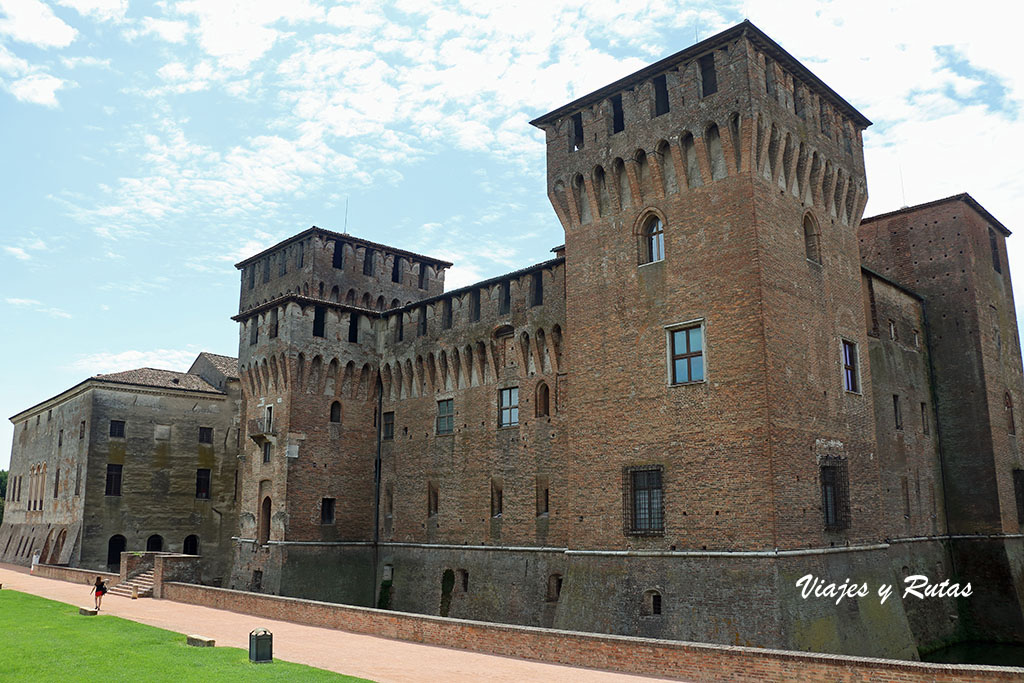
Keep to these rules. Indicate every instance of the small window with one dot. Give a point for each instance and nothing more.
(543, 496)
(445, 416)
(660, 95)
(474, 305)
(618, 120)
(81, 429)
(925, 426)
(117, 429)
(254, 329)
(897, 413)
(823, 118)
(203, 484)
(812, 240)
(537, 288)
(396, 270)
(60, 438)
(421, 321)
(282, 264)
(1011, 427)
(769, 77)
(191, 545)
(273, 323)
(327, 511)
(252, 275)
(508, 407)
(993, 243)
(708, 77)
(266, 270)
(835, 503)
(893, 334)
(446, 314)
(319, 318)
(338, 259)
(799, 108)
(1018, 490)
(56, 482)
(851, 378)
(266, 451)
(423, 276)
(504, 298)
(388, 427)
(644, 503)
(577, 132)
(113, 480)
(368, 257)
(686, 348)
(78, 480)
(353, 327)
(432, 499)
(917, 339)
(652, 603)
(554, 587)
(653, 240)
(543, 400)
(206, 435)
(336, 412)
(400, 327)
(497, 503)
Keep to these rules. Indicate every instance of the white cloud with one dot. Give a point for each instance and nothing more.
(31, 21)
(23, 302)
(75, 62)
(101, 10)
(18, 253)
(37, 89)
(117, 361)
(11, 64)
(38, 307)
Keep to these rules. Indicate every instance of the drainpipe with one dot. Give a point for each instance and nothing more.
(376, 491)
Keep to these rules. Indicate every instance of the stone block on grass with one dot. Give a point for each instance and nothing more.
(87, 611)
(199, 641)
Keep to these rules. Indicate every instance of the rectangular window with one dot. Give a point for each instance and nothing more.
(1018, 490)
(504, 298)
(925, 427)
(368, 257)
(497, 504)
(254, 330)
(60, 438)
(319, 316)
(421, 322)
(577, 132)
(327, 511)
(266, 451)
(446, 314)
(338, 256)
(266, 270)
(508, 407)
(117, 429)
(686, 351)
(432, 499)
(798, 101)
(282, 263)
(835, 503)
(897, 413)
(660, 95)
(81, 429)
(388, 427)
(851, 378)
(203, 484)
(445, 416)
(353, 327)
(273, 324)
(396, 269)
(543, 496)
(993, 244)
(78, 480)
(537, 289)
(769, 77)
(643, 500)
(823, 119)
(206, 435)
(618, 120)
(708, 77)
(56, 482)
(252, 275)
(423, 276)
(474, 305)
(892, 331)
(905, 490)
(113, 480)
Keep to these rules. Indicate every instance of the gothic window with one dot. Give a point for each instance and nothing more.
(653, 240)
(812, 240)
(543, 400)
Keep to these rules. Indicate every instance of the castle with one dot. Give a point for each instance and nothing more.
(723, 381)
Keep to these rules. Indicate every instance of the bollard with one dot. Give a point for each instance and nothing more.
(261, 645)
(135, 592)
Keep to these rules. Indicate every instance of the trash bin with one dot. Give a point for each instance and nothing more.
(261, 645)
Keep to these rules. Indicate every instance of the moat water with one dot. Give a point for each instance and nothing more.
(993, 654)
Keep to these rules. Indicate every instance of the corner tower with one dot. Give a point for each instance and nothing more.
(710, 203)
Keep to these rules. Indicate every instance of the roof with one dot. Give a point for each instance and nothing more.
(962, 197)
(165, 379)
(227, 365)
(347, 238)
(747, 29)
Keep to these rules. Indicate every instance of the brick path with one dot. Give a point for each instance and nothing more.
(379, 659)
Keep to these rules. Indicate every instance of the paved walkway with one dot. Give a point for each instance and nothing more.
(379, 659)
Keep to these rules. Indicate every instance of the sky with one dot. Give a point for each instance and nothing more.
(147, 147)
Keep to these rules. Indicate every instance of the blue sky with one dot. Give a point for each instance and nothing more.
(147, 147)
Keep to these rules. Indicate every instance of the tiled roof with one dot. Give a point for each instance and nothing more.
(165, 379)
(226, 364)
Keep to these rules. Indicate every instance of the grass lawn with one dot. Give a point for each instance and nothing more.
(45, 640)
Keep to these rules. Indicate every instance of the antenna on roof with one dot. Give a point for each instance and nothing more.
(903, 192)
(345, 230)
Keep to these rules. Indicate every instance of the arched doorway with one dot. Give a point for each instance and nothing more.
(115, 547)
(264, 534)
(155, 543)
(191, 545)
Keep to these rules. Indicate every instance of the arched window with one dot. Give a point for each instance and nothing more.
(1008, 405)
(115, 546)
(155, 543)
(653, 240)
(543, 400)
(652, 602)
(191, 545)
(336, 412)
(264, 530)
(812, 240)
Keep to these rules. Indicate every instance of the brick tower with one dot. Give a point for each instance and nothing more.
(710, 204)
(309, 356)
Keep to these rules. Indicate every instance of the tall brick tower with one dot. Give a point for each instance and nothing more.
(309, 358)
(710, 204)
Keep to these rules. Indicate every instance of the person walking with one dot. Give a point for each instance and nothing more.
(99, 589)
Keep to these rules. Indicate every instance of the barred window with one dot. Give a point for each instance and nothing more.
(206, 435)
(643, 502)
(388, 427)
(835, 498)
(117, 429)
(445, 416)
(114, 480)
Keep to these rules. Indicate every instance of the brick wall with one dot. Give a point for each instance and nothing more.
(671, 659)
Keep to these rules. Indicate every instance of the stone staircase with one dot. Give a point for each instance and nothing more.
(143, 581)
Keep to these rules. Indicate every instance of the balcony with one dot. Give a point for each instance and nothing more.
(262, 430)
